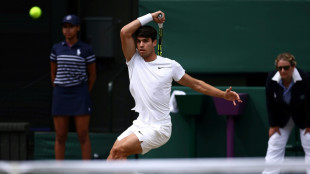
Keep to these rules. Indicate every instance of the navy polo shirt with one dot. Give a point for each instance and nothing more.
(72, 62)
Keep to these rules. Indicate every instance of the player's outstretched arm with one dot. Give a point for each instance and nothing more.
(204, 88)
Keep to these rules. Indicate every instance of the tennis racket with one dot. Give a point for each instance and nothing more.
(160, 40)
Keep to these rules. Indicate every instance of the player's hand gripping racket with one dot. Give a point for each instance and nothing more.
(160, 40)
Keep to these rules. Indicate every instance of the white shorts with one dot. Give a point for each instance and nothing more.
(151, 136)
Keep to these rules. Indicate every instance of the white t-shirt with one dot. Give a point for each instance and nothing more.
(150, 86)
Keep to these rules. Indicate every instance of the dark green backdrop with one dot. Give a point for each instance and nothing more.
(220, 36)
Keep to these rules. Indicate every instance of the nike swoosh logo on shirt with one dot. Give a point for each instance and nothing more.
(161, 67)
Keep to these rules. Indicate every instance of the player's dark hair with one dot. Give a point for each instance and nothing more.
(147, 32)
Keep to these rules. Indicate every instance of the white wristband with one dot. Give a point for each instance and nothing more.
(145, 19)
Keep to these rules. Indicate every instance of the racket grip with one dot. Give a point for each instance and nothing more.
(160, 25)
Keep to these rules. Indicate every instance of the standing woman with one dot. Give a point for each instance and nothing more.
(73, 73)
(288, 105)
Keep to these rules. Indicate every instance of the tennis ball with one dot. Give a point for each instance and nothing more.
(35, 12)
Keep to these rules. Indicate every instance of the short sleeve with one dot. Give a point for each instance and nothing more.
(178, 71)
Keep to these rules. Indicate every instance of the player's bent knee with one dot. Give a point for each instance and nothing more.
(118, 152)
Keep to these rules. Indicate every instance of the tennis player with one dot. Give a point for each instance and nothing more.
(151, 79)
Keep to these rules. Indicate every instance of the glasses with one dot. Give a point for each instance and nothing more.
(279, 68)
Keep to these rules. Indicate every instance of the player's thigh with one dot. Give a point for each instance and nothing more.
(129, 145)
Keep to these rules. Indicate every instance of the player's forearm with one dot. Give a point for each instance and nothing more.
(207, 89)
